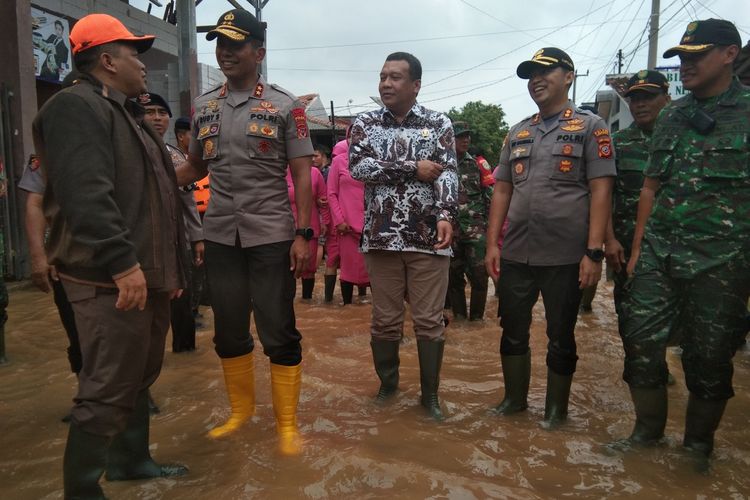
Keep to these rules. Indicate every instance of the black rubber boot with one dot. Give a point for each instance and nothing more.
(347, 291)
(362, 291)
(457, 299)
(83, 464)
(330, 284)
(430, 360)
(650, 418)
(476, 304)
(307, 287)
(556, 402)
(153, 408)
(129, 456)
(701, 421)
(516, 374)
(386, 360)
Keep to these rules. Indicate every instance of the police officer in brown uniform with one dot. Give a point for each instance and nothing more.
(554, 185)
(245, 132)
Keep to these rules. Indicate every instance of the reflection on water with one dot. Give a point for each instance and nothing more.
(355, 449)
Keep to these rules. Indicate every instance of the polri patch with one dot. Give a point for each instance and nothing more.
(300, 121)
(605, 150)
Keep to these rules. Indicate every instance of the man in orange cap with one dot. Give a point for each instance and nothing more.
(115, 231)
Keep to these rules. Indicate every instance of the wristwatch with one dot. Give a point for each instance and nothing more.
(305, 232)
(595, 254)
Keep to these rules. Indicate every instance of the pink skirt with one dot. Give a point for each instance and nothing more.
(353, 267)
(312, 260)
(332, 247)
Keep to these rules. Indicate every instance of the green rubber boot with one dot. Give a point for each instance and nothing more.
(430, 360)
(701, 421)
(386, 360)
(83, 464)
(129, 457)
(516, 375)
(556, 402)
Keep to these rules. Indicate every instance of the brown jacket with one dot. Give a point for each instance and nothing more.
(102, 200)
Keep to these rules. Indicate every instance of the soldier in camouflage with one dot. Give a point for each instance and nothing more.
(690, 243)
(647, 94)
(469, 241)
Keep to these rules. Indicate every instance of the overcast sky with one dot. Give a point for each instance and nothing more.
(469, 49)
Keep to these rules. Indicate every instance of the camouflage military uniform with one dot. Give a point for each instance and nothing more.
(631, 148)
(469, 241)
(694, 263)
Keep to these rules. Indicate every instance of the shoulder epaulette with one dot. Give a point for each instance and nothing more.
(283, 91)
(214, 89)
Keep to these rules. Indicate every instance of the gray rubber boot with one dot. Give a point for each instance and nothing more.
(386, 360)
(516, 375)
(83, 464)
(129, 457)
(430, 360)
(556, 402)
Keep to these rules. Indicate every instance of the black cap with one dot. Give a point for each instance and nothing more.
(151, 99)
(238, 25)
(701, 36)
(461, 128)
(182, 123)
(647, 81)
(548, 57)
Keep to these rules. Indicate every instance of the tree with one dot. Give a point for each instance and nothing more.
(488, 123)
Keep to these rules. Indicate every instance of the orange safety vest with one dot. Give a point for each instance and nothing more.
(202, 194)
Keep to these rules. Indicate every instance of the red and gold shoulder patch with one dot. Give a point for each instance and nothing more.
(600, 132)
(605, 150)
(300, 121)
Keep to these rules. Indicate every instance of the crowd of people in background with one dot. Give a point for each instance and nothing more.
(400, 206)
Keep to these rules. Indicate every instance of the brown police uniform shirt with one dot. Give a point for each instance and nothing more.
(550, 168)
(248, 139)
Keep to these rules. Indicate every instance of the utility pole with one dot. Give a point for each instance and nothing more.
(187, 56)
(258, 5)
(576, 75)
(653, 34)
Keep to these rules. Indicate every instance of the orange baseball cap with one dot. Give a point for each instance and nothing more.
(97, 29)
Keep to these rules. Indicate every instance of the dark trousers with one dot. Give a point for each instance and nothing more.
(519, 290)
(183, 323)
(65, 310)
(237, 276)
(122, 354)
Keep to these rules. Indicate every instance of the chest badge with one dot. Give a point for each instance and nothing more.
(267, 106)
(425, 133)
(264, 147)
(209, 149)
(573, 128)
(268, 131)
(566, 165)
(518, 168)
(523, 134)
(213, 105)
(518, 152)
(567, 149)
(252, 128)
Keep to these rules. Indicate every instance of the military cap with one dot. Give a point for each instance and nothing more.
(647, 81)
(461, 128)
(701, 36)
(182, 123)
(238, 25)
(548, 57)
(151, 99)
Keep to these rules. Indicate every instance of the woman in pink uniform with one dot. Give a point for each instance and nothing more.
(346, 203)
(319, 218)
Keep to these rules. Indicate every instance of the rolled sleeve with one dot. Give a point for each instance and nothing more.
(296, 133)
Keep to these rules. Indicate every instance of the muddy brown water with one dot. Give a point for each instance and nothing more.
(354, 449)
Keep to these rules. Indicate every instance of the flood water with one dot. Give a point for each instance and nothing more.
(354, 449)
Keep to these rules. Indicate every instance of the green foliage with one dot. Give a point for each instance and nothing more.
(488, 123)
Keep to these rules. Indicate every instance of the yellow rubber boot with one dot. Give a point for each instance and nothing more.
(239, 377)
(285, 384)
